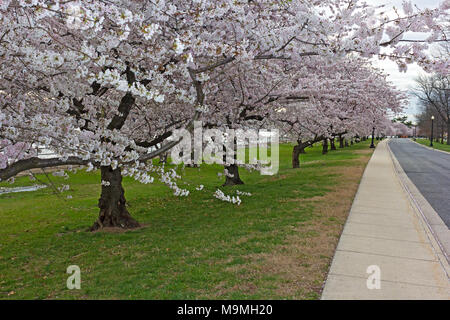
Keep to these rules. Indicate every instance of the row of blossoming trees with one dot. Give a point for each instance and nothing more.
(102, 82)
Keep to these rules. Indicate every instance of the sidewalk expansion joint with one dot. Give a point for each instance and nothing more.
(390, 281)
(388, 255)
(380, 238)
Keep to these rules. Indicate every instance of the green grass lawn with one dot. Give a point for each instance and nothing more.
(278, 244)
(436, 145)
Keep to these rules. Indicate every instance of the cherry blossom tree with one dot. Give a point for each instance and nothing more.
(102, 82)
(398, 129)
(346, 98)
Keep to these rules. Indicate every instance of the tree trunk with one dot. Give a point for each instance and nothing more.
(296, 157)
(351, 141)
(192, 164)
(448, 132)
(112, 203)
(341, 142)
(332, 145)
(298, 149)
(233, 170)
(325, 146)
(302, 146)
(346, 142)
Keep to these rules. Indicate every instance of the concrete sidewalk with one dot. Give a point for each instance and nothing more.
(385, 230)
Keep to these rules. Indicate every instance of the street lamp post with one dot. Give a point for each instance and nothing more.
(373, 134)
(432, 129)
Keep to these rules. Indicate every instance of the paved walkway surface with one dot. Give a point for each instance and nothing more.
(429, 170)
(385, 230)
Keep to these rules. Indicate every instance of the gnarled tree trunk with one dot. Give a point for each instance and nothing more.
(112, 203)
(298, 149)
(296, 157)
(232, 178)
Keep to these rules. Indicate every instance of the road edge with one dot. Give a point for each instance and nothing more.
(432, 223)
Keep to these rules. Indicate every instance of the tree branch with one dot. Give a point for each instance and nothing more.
(35, 163)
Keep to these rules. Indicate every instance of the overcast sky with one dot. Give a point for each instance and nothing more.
(403, 81)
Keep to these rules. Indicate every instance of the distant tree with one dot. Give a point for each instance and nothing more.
(434, 96)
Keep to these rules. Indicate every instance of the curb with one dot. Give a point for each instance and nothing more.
(430, 148)
(432, 223)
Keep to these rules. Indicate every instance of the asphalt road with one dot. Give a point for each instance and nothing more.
(429, 170)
